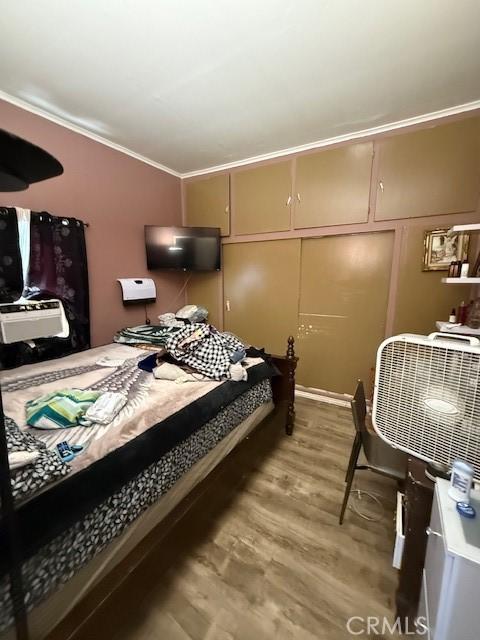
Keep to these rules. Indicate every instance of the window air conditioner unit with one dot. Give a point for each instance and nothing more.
(20, 321)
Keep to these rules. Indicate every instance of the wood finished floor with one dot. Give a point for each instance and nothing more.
(261, 555)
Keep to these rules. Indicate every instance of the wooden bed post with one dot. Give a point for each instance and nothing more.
(292, 365)
(284, 386)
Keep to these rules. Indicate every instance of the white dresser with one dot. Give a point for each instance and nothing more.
(449, 606)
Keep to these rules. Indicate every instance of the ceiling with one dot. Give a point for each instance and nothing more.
(193, 84)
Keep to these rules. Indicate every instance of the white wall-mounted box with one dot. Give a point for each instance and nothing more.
(138, 290)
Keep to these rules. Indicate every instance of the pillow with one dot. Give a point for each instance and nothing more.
(29, 479)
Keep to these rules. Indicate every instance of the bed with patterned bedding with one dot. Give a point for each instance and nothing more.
(69, 513)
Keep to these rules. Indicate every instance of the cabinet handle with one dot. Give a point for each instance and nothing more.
(288, 202)
(298, 198)
(227, 209)
(382, 186)
(430, 532)
(227, 305)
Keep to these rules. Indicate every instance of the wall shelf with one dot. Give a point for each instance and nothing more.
(461, 280)
(464, 228)
(448, 327)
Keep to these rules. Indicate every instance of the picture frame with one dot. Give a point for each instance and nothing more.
(442, 248)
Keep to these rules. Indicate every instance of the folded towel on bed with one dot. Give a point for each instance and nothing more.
(169, 320)
(60, 409)
(105, 409)
(110, 362)
(145, 334)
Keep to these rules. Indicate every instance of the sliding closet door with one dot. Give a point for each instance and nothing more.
(344, 287)
(261, 291)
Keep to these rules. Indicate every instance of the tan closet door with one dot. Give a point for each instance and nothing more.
(261, 198)
(333, 186)
(343, 304)
(205, 289)
(207, 203)
(429, 172)
(261, 291)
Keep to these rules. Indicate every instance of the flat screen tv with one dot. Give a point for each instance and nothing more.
(183, 248)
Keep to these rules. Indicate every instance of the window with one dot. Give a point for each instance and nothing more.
(23, 218)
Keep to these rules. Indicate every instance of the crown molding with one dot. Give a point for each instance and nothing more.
(346, 137)
(26, 106)
(318, 144)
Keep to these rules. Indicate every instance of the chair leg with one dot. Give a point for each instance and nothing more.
(357, 445)
(353, 455)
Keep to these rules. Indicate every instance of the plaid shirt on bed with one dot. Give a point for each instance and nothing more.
(205, 349)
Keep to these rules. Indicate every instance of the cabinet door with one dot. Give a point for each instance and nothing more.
(205, 289)
(261, 198)
(261, 291)
(344, 286)
(333, 186)
(429, 172)
(207, 203)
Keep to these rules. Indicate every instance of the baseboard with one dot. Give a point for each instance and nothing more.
(320, 395)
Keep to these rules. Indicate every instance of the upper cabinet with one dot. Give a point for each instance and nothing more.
(207, 203)
(261, 198)
(333, 186)
(429, 172)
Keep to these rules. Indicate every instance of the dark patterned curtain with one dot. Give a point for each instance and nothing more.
(57, 269)
(11, 276)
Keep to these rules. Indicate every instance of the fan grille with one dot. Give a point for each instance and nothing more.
(411, 379)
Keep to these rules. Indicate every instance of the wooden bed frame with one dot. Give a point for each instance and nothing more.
(283, 392)
(284, 386)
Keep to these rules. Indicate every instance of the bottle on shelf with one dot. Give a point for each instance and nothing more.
(453, 316)
(464, 269)
(462, 313)
(456, 267)
(473, 320)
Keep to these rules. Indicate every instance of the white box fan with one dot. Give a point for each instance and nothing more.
(427, 397)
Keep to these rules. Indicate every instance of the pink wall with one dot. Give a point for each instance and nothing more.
(117, 195)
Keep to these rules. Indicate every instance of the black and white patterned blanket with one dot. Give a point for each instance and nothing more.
(28, 480)
(205, 349)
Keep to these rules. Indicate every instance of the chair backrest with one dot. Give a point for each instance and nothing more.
(359, 408)
(377, 452)
(359, 413)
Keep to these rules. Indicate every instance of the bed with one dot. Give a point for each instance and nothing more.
(77, 528)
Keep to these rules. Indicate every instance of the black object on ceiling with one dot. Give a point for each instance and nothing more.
(22, 163)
